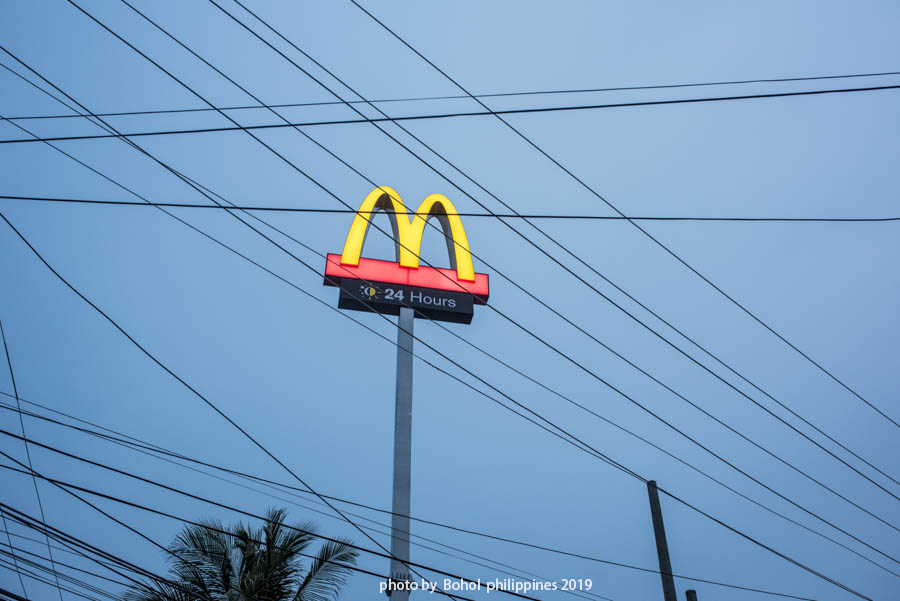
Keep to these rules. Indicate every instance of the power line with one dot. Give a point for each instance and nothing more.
(225, 246)
(526, 238)
(184, 205)
(754, 541)
(276, 276)
(570, 438)
(37, 577)
(565, 356)
(461, 96)
(153, 450)
(498, 114)
(500, 273)
(137, 447)
(481, 350)
(192, 184)
(9, 540)
(65, 565)
(514, 401)
(548, 109)
(231, 508)
(12, 595)
(295, 239)
(37, 493)
(92, 551)
(60, 574)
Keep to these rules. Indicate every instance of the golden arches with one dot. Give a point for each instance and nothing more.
(408, 234)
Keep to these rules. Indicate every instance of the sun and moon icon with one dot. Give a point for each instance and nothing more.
(369, 292)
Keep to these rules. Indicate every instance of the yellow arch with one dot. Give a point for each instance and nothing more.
(408, 234)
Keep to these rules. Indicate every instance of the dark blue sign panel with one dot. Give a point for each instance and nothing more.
(441, 305)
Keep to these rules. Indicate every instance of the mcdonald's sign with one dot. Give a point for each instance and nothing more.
(385, 286)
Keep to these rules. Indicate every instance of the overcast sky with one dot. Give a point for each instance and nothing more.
(317, 389)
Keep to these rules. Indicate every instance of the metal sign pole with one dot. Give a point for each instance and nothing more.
(402, 453)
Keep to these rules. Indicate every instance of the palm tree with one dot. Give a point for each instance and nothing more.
(212, 562)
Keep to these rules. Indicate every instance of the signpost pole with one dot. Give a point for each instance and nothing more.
(662, 547)
(402, 452)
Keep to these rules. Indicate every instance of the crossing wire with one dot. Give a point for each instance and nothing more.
(530, 242)
(546, 109)
(187, 181)
(518, 572)
(458, 96)
(480, 350)
(244, 257)
(65, 565)
(36, 576)
(9, 540)
(182, 492)
(60, 574)
(610, 205)
(376, 226)
(324, 211)
(226, 246)
(37, 493)
(201, 97)
(570, 438)
(526, 238)
(740, 392)
(60, 535)
(153, 450)
(114, 498)
(704, 367)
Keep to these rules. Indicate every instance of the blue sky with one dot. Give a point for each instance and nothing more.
(317, 389)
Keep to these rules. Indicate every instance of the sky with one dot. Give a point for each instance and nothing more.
(316, 389)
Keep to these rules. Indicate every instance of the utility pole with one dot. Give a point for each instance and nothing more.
(662, 547)
(402, 454)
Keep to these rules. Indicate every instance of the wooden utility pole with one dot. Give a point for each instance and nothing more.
(662, 547)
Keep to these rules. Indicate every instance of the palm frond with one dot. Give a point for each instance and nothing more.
(243, 563)
(328, 572)
(157, 591)
(203, 559)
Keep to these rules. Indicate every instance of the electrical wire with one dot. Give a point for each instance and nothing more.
(9, 540)
(146, 508)
(38, 578)
(66, 577)
(494, 308)
(682, 501)
(526, 238)
(107, 28)
(570, 438)
(81, 546)
(478, 348)
(11, 595)
(37, 493)
(610, 205)
(540, 301)
(182, 492)
(189, 182)
(260, 266)
(324, 211)
(149, 448)
(222, 244)
(459, 96)
(546, 109)
(153, 450)
(65, 565)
